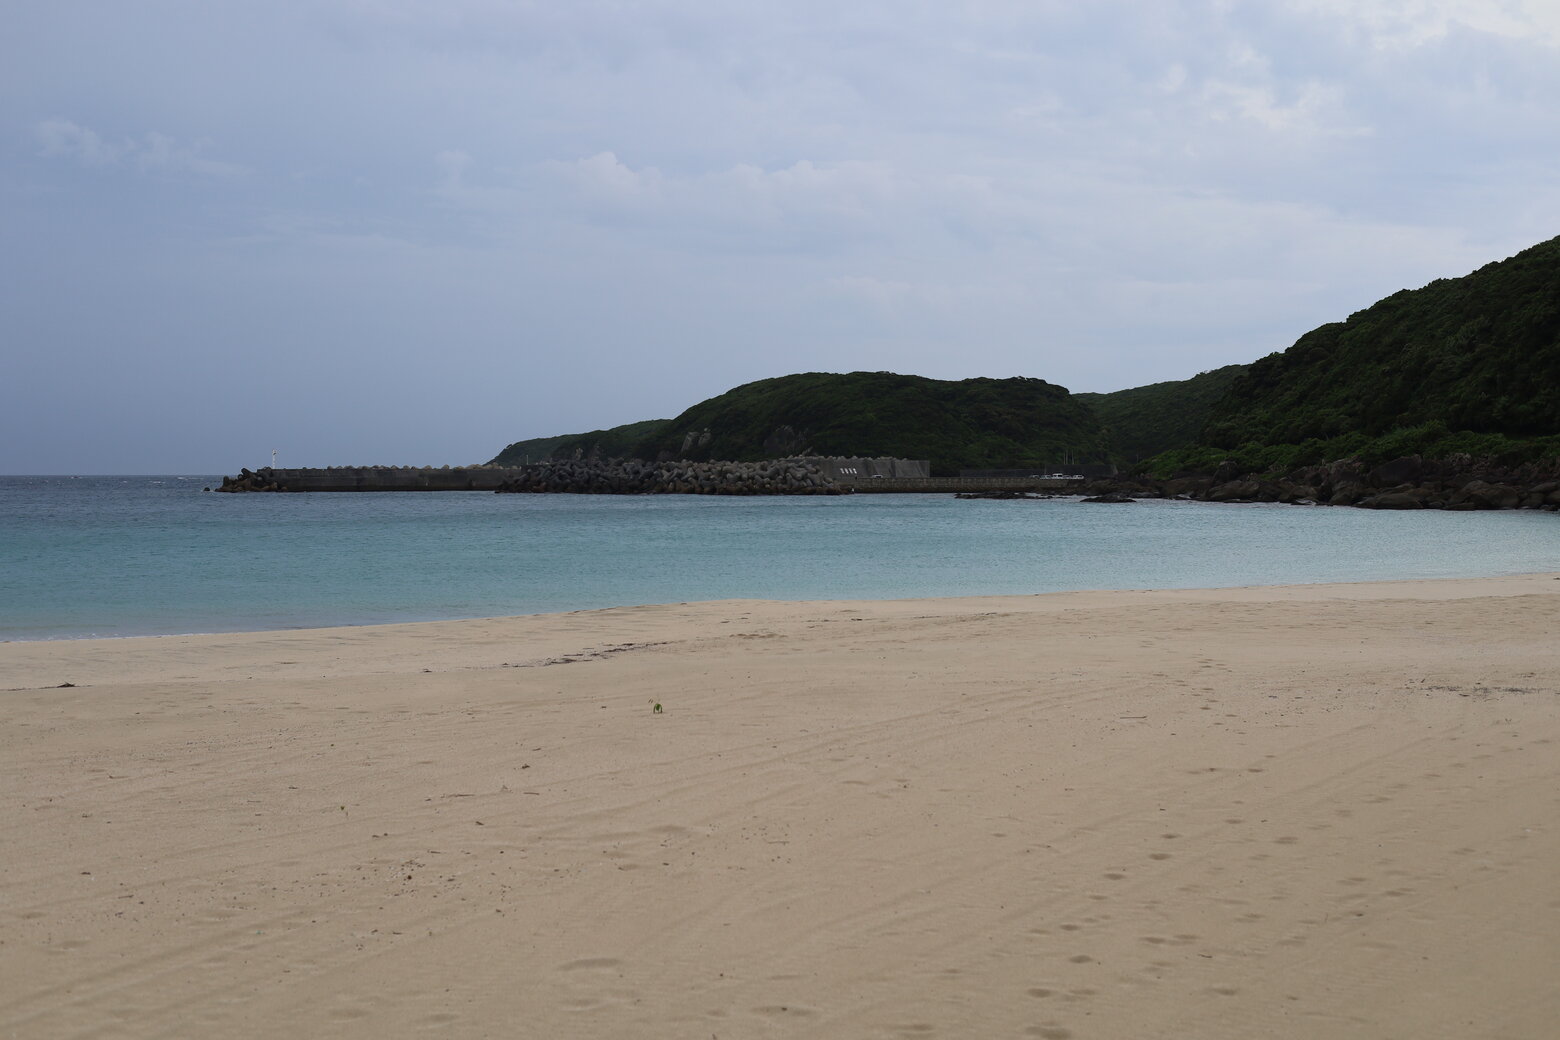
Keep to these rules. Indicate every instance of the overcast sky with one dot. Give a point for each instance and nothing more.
(412, 231)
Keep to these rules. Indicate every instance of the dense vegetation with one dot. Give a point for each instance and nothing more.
(1147, 420)
(1467, 364)
(970, 423)
(614, 443)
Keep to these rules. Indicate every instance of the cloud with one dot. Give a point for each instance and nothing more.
(704, 193)
(1408, 24)
(820, 205)
(158, 153)
(1313, 108)
(61, 137)
(152, 153)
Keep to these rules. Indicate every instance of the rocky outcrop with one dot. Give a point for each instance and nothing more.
(1401, 499)
(695, 439)
(1242, 491)
(1460, 482)
(785, 440)
(251, 481)
(634, 477)
(1408, 470)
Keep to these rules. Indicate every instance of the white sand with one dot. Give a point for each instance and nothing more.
(1324, 811)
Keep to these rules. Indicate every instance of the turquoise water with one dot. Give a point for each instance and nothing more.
(117, 556)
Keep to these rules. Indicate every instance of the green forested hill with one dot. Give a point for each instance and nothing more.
(1467, 365)
(970, 423)
(1147, 420)
(614, 443)
(1479, 353)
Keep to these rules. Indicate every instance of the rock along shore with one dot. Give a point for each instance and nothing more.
(1457, 483)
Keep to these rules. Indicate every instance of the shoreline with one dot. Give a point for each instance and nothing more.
(395, 631)
(284, 563)
(88, 638)
(1288, 811)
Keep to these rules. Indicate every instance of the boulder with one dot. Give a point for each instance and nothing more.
(1344, 471)
(1407, 470)
(1180, 487)
(1346, 494)
(1392, 500)
(1485, 495)
(1235, 491)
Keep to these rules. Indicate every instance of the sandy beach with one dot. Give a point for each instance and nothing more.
(1314, 811)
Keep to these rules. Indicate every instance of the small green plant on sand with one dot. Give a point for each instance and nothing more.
(655, 707)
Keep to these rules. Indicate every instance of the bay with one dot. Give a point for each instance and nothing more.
(123, 556)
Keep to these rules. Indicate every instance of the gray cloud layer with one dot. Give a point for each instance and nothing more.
(408, 231)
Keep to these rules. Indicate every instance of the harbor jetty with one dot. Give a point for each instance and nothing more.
(1458, 483)
(802, 475)
(369, 478)
(796, 476)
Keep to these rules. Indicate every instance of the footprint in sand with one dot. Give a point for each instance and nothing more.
(589, 963)
(1049, 1032)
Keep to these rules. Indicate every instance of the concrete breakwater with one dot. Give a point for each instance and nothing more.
(579, 477)
(369, 478)
(635, 477)
(1456, 483)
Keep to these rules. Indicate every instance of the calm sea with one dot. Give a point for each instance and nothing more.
(120, 556)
